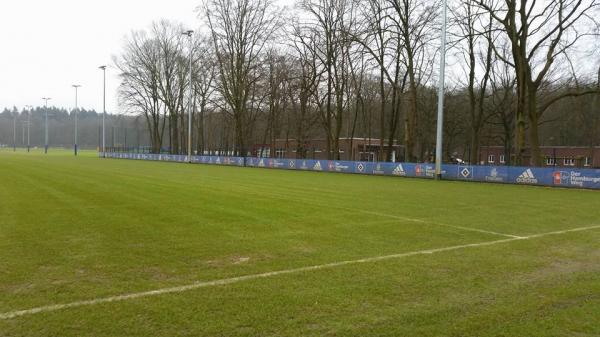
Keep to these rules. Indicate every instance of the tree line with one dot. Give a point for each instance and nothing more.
(120, 130)
(521, 74)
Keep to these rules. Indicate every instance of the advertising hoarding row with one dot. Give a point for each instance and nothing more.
(560, 176)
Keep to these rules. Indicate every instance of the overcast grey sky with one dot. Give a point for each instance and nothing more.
(48, 45)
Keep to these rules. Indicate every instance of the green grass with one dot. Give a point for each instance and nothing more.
(74, 229)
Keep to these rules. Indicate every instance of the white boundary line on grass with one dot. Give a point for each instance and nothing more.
(204, 284)
(427, 222)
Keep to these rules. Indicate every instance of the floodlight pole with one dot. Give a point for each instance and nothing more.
(28, 131)
(46, 127)
(103, 110)
(76, 86)
(189, 34)
(440, 115)
(30, 108)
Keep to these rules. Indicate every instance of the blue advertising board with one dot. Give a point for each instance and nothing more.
(540, 176)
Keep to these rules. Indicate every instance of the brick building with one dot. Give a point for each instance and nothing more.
(560, 156)
(363, 149)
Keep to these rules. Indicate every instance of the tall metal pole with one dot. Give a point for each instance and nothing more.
(440, 115)
(103, 109)
(46, 128)
(28, 131)
(76, 86)
(30, 108)
(189, 34)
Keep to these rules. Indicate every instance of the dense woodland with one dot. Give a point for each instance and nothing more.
(520, 74)
(121, 130)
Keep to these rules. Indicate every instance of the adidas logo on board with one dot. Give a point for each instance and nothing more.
(527, 177)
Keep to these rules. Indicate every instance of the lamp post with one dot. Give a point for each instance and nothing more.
(103, 109)
(440, 115)
(46, 127)
(30, 108)
(189, 34)
(76, 86)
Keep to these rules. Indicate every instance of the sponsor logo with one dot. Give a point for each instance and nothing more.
(360, 167)
(578, 179)
(466, 172)
(494, 176)
(292, 163)
(261, 163)
(399, 171)
(573, 178)
(424, 170)
(338, 167)
(378, 169)
(418, 170)
(561, 178)
(303, 166)
(318, 167)
(277, 163)
(527, 177)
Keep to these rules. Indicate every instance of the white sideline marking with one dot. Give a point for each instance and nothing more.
(438, 224)
(417, 220)
(204, 284)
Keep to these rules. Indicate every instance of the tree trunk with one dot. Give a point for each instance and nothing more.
(534, 140)
(474, 158)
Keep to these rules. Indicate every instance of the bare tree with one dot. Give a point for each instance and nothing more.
(240, 31)
(380, 38)
(329, 21)
(205, 71)
(474, 32)
(414, 22)
(303, 90)
(139, 92)
(502, 104)
(172, 78)
(539, 33)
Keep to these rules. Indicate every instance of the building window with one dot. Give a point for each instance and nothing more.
(491, 159)
(280, 153)
(588, 161)
(569, 161)
(550, 161)
(502, 159)
(263, 152)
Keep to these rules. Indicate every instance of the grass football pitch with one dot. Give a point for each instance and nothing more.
(107, 247)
